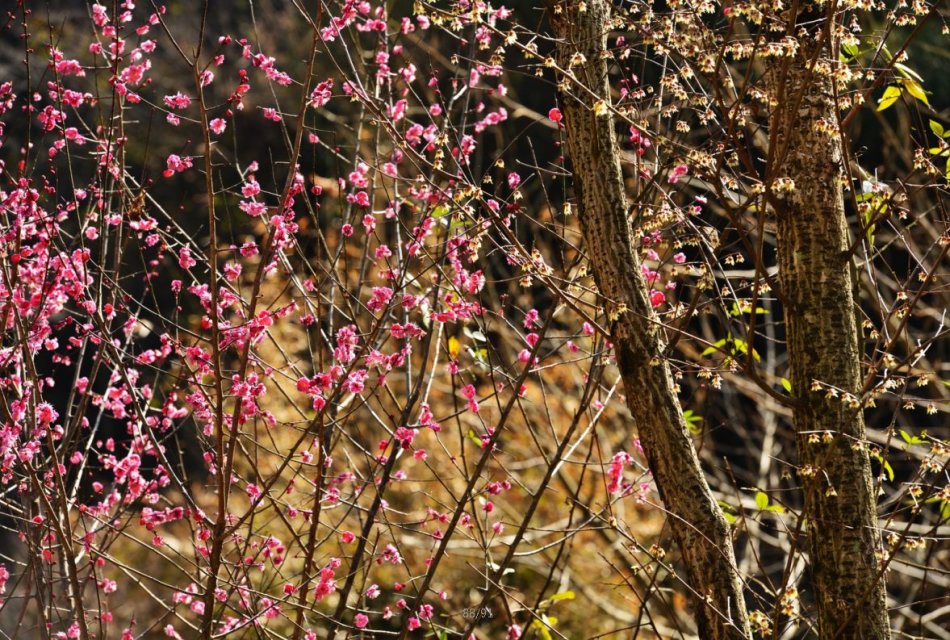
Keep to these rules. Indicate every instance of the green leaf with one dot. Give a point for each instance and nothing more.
(743, 347)
(888, 469)
(543, 633)
(869, 231)
(746, 308)
(726, 507)
(474, 438)
(717, 345)
(564, 595)
(907, 72)
(738, 346)
(937, 128)
(775, 508)
(761, 500)
(913, 88)
(693, 422)
(891, 94)
(787, 385)
(909, 439)
(543, 625)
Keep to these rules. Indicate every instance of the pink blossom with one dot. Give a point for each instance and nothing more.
(4, 577)
(45, 413)
(321, 95)
(251, 188)
(398, 110)
(615, 473)
(99, 15)
(185, 260)
(176, 164)
(678, 172)
(469, 392)
(70, 68)
(177, 101)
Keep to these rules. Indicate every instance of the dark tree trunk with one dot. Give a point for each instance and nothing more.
(824, 351)
(701, 532)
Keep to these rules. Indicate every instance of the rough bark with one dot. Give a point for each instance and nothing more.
(700, 530)
(823, 347)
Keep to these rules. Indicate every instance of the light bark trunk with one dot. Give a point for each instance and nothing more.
(699, 527)
(815, 273)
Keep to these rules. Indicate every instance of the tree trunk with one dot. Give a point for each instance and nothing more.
(825, 355)
(700, 530)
